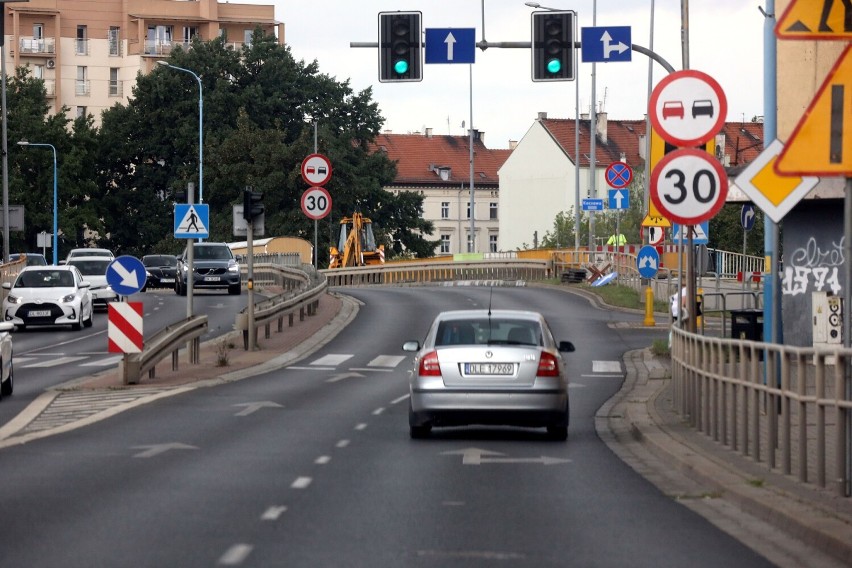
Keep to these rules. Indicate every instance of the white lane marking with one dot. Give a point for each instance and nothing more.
(272, 513)
(341, 376)
(361, 426)
(386, 361)
(22, 360)
(606, 367)
(371, 369)
(311, 368)
(342, 443)
(103, 362)
(378, 411)
(235, 555)
(400, 399)
(301, 483)
(322, 460)
(331, 359)
(55, 362)
(603, 376)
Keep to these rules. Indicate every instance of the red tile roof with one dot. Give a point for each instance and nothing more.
(743, 141)
(418, 158)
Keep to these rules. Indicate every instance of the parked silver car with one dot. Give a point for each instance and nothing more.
(489, 367)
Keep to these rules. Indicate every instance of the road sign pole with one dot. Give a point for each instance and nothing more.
(316, 249)
(251, 345)
(190, 277)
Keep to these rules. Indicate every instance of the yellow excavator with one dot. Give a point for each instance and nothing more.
(357, 244)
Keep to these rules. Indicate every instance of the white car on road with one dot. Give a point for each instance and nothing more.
(6, 370)
(48, 295)
(94, 269)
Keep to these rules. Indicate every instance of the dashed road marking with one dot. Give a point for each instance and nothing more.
(301, 483)
(235, 555)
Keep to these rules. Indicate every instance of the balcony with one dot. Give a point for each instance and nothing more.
(82, 88)
(163, 47)
(36, 46)
(50, 87)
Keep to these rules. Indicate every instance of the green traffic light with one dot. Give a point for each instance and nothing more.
(401, 67)
(554, 66)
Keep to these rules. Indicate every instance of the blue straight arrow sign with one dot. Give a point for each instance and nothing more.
(619, 199)
(450, 45)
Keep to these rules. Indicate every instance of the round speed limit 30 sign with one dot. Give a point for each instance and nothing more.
(689, 186)
(316, 202)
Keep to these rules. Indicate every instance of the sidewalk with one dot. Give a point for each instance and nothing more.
(640, 425)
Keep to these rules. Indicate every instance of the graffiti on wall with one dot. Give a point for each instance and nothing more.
(813, 269)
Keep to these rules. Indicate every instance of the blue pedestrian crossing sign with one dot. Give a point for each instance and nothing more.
(700, 235)
(648, 261)
(192, 221)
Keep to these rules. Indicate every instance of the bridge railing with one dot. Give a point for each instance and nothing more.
(444, 271)
(786, 407)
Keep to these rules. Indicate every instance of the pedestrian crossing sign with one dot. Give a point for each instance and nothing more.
(192, 221)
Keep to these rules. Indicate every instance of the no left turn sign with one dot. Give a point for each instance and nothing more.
(688, 186)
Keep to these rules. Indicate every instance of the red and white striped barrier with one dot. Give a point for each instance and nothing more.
(124, 328)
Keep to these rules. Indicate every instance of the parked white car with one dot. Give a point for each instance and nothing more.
(94, 269)
(88, 251)
(48, 295)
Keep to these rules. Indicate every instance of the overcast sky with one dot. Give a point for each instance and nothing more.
(725, 41)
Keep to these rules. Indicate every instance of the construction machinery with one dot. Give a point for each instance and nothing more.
(357, 244)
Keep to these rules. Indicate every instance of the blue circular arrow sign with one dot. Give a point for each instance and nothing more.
(648, 261)
(747, 216)
(126, 275)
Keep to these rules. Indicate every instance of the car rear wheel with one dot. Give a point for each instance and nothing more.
(9, 384)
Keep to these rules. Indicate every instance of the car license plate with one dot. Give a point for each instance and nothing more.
(489, 368)
(39, 313)
(212, 279)
(167, 280)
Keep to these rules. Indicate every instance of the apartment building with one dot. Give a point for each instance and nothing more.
(88, 52)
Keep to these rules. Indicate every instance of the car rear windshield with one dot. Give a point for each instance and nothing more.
(488, 331)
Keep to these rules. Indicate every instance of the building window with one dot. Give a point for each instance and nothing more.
(158, 40)
(247, 35)
(114, 83)
(82, 41)
(445, 210)
(38, 31)
(445, 243)
(38, 71)
(492, 243)
(81, 112)
(114, 40)
(492, 211)
(468, 210)
(82, 83)
(189, 32)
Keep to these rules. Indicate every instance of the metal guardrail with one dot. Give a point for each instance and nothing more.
(167, 341)
(787, 407)
(411, 273)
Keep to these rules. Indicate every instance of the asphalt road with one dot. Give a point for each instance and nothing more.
(312, 466)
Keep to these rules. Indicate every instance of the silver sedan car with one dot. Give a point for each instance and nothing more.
(489, 367)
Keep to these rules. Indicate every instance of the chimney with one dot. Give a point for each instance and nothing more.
(600, 126)
(542, 116)
(428, 132)
(513, 144)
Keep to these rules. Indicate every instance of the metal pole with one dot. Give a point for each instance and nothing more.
(847, 328)
(472, 203)
(647, 184)
(252, 331)
(576, 154)
(200, 127)
(190, 257)
(316, 229)
(5, 143)
(55, 209)
(593, 141)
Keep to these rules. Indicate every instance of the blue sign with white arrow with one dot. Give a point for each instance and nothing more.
(593, 205)
(747, 216)
(648, 261)
(619, 199)
(450, 45)
(126, 275)
(603, 45)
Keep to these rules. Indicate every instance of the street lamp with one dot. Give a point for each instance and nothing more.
(200, 127)
(55, 209)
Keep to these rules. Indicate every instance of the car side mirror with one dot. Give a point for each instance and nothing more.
(7, 285)
(566, 346)
(411, 346)
(85, 284)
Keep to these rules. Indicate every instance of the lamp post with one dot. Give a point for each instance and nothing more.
(55, 208)
(200, 127)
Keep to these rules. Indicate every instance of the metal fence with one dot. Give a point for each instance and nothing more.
(787, 407)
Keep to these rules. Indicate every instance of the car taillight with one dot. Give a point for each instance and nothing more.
(429, 366)
(548, 366)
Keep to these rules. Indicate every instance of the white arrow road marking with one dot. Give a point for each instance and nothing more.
(157, 449)
(128, 277)
(609, 47)
(272, 513)
(251, 407)
(341, 376)
(450, 41)
(476, 456)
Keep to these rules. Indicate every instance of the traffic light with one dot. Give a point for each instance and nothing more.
(400, 47)
(252, 204)
(553, 36)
